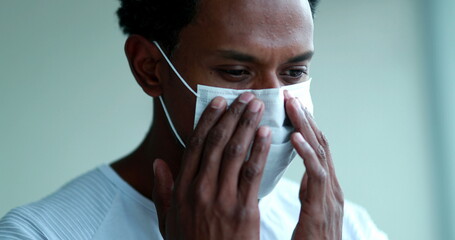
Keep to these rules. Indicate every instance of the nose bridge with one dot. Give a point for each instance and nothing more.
(267, 80)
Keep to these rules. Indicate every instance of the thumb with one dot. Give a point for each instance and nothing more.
(162, 191)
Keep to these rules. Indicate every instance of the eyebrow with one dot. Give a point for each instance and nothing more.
(242, 57)
(302, 57)
(238, 56)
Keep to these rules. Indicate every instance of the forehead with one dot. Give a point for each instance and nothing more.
(253, 23)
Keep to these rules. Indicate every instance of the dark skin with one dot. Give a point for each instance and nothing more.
(208, 191)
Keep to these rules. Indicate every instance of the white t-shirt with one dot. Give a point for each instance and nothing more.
(101, 205)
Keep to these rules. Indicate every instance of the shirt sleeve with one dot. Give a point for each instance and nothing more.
(16, 225)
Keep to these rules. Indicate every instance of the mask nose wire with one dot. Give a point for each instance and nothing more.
(175, 70)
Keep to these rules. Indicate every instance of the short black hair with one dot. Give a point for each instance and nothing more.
(161, 20)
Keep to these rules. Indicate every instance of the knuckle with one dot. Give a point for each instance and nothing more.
(195, 142)
(180, 197)
(246, 214)
(234, 150)
(322, 175)
(340, 197)
(260, 147)
(321, 152)
(235, 110)
(216, 136)
(323, 140)
(341, 210)
(337, 210)
(250, 172)
(247, 122)
(341, 205)
(304, 124)
(201, 192)
(320, 220)
(210, 116)
(222, 209)
(317, 216)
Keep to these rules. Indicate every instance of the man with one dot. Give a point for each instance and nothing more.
(210, 172)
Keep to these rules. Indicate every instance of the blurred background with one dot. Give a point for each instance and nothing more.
(383, 80)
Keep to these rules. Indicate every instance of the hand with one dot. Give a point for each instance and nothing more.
(321, 214)
(215, 192)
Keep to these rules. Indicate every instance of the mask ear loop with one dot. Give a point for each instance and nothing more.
(175, 70)
(161, 99)
(170, 122)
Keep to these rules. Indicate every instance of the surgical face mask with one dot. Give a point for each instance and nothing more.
(281, 150)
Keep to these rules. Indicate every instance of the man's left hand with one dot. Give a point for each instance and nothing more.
(321, 213)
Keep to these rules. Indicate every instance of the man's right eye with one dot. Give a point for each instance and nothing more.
(236, 72)
(234, 75)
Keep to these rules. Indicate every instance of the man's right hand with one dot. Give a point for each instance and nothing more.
(215, 195)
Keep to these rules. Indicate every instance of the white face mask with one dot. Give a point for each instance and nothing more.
(281, 150)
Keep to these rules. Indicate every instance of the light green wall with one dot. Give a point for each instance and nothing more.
(69, 103)
(370, 99)
(68, 100)
(440, 39)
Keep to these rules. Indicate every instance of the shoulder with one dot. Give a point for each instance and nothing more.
(17, 225)
(77, 208)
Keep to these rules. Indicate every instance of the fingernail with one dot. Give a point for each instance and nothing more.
(308, 113)
(263, 132)
(246, 97)
(286, 95)
(299, 102)
(299, 138)
(217, 103)
(254, 106)
(295, 102)
(289, 94)
(154, 167)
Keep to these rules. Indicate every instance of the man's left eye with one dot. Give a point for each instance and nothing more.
(294, 73)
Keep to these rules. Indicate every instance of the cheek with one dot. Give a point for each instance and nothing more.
(181, 104)
(210, 77)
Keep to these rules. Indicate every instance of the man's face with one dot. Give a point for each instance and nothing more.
(240, 44)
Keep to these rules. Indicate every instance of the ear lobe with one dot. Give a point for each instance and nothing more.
(143, 58)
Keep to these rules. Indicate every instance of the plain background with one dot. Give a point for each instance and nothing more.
(380, 87)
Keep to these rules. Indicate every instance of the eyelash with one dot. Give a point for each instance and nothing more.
(242, 74)
(300, 72)
(235, 72)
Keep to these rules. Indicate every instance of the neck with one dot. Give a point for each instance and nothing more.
(137, 168)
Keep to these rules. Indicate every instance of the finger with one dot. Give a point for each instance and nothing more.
(251, 172)
(300, 119)
(218, 137)
(317, 175)
(162, 191)
(300, 122)
(237, 148)
(303, 186)
(287, 95)
(191, 157)
(325, 145)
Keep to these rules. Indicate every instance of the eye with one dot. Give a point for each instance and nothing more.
(234, 74)
(294, 74)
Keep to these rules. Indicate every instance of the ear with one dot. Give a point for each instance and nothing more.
(143, 57)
